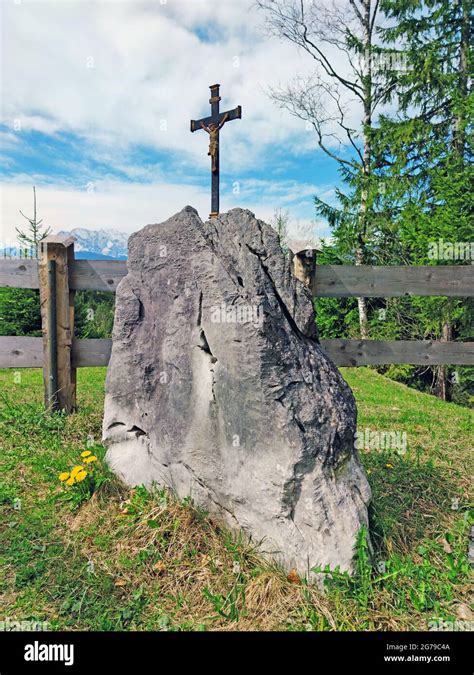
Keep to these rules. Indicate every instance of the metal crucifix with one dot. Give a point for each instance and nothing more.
(213, 125)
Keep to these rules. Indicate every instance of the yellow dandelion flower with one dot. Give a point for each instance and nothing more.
(80, 476)
(63, 476)
(86, 453)
(70, 481)
(76, 470)
(93, 458)
(369, 471)
(389, 466)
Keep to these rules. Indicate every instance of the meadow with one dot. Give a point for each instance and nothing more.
(99, 556)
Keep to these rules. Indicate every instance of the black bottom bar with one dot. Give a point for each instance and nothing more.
(431, 652)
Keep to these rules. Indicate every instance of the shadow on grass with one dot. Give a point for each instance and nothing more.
(411, 501)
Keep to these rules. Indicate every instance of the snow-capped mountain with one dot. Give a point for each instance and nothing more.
(106, 243)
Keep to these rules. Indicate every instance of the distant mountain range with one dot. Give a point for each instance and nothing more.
(88, 245)
(98, 244)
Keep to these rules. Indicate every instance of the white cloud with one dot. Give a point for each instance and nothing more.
(131, 67)
(117, 72)
(112, 72)
(129, 206)
(111, 205)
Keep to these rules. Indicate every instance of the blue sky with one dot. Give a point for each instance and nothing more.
(98, 117)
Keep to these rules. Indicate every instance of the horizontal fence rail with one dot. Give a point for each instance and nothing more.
(412, 352)
(325, 281)
(19, 274)
(84, 275)
(27, 352)
(97, 275)
(367, 281)
(21, 352)
(330, 281)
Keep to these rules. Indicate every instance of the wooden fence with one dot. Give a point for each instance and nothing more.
(58, 275)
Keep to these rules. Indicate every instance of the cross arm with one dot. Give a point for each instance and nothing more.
(235, 114)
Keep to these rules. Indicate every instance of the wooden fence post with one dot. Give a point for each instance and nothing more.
(303, 265)
(57, 320)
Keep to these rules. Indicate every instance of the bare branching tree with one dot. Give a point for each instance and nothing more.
(339, 99)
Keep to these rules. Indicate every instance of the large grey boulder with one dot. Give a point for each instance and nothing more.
(217, 388)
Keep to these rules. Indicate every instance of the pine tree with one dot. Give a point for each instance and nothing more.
(35, 232)
(426, 151)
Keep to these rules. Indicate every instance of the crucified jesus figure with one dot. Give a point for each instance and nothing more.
(213, 131)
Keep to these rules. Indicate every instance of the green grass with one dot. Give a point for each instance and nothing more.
(101, 557)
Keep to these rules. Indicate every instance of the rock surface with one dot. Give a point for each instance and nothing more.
(217, 388)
